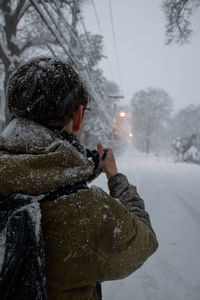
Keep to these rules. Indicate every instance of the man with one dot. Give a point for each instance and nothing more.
(89, 236)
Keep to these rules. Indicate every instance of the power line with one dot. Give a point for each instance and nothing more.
(51, 29)
(100, 31)
(70, 29)
(97, 17)
(86, 35)
(76, 37)
(58, 34)
(114, 41)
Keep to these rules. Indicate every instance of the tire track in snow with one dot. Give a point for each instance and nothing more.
(167, 270)
(149, 280)
(165, 276)
(191, 210)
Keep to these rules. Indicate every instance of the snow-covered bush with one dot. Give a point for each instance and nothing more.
(192, 155)
(184, 150)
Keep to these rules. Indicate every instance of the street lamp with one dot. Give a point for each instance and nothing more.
(130, 135)
(122, 114)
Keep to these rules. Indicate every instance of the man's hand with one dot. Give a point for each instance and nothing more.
(108, 164)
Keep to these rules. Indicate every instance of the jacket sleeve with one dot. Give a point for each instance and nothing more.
(125, 237)
(127, 194)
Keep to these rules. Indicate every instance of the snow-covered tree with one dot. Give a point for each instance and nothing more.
(29, 28)
(186, 124)
(178, 15)
(114, 95)
(151, 109)
(112, 89)
(112, 92)
(96, 127)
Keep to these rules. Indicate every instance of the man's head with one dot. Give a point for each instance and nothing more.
(47, 91)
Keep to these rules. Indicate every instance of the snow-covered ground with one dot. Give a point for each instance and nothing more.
(172, 196)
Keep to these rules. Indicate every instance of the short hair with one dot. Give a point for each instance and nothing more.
(47, 91)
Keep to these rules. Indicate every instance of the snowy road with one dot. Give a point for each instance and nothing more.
(172, 197)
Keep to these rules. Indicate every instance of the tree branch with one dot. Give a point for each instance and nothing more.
(25, 46)
(3, 3)
(178, 14)
(4, 57)
(20, 10)
(37, 42)
(51, 50)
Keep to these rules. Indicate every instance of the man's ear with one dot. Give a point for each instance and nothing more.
(77, 118)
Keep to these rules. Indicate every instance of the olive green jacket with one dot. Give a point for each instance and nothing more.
(89, 235)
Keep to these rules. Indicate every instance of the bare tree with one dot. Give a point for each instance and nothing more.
(151, 108)
(178, 15)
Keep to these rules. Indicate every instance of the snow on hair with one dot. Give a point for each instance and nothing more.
(46, 90)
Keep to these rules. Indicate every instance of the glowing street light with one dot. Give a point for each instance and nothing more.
(122, 114)
(130, 135)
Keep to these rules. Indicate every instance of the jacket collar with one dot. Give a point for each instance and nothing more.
(34, 160)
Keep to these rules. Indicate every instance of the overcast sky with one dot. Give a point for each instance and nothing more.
(143, 57)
